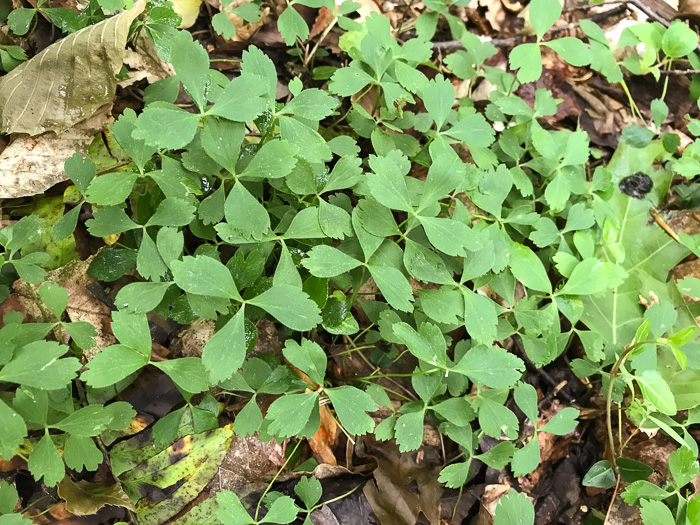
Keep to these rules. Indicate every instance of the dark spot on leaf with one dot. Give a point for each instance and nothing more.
(174, 458)
(637, 185)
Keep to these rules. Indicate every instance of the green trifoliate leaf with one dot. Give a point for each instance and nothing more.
(345, 174)
(456, 410)
(474, 131)
(245, 213)
(347, 81)
(351, 406)
(166, 126)
(326, 261)
(394, 286)
(32, 405)
(224, 353)
(80, 453)
(12, 431)
(454, 476)
(438, 97)
(656, 390)
(334, 221)
(525, 397)
(589, 277)
(309, 490)
(679, 40)
(499, 456)
(223, 25)
(170, 243)
(80, 170)
(109, 220)
(46, 462)
(387, 182)
(204, 276)
(87, 421)
(290, 413)
(282, 509)
(480, 317)
(514, 509)
(113, 364)
(311, 104)
(222, 139)
(276, 159)
(654, 512)
(683, 466)
(304, 316)
(132, 330)
(65, 226)
(191, 63)
(291, 25)
(572, 50)
(494, 418)
(450, 236)
(526, 459)
(242, 100)
(526, 58)
(312, 146)
(9, 497)
(543, 15)
(528, 268)
(562, 423)
(38, 365)
(172, 212)
(425, 265)
(122, 131)
(256, 62)
(428, 344)
(231, 511)
(148, 261)
(409, 431)
(307, 357)
(491, 366)
(186, 372)
(55, 298)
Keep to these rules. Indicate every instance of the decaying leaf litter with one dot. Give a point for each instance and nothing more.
(379, 484)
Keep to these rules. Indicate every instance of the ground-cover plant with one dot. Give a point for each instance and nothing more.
(377, 212)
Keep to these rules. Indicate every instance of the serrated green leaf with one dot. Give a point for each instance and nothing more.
(514, 509)
(351, 406)
(307, 357)
(186, 372)
(304, 316)
(163, 125)
(46, 462)
(39, 365)
(526, 459)
(224, 353)
(113, 364)
(428, 344)
(204, 276)
(12, 431)
(562, 423)
(290, 413)
(490, 366)
(245, 213)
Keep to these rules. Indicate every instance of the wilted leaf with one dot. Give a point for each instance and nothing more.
(84, 498)
(68, 81)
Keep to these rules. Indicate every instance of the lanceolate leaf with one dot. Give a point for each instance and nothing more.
(69, 80)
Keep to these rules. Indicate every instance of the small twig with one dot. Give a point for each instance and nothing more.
(679, 72)
(591, 6)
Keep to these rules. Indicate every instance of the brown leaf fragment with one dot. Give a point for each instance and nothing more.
(69, 80)
(84, 498)
(31, 165)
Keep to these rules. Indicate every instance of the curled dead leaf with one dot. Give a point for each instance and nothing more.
(69, 80)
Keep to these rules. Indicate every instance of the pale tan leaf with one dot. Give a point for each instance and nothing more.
(31, 165)
(68, 81)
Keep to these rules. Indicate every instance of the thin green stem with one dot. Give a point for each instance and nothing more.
(269, 486)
